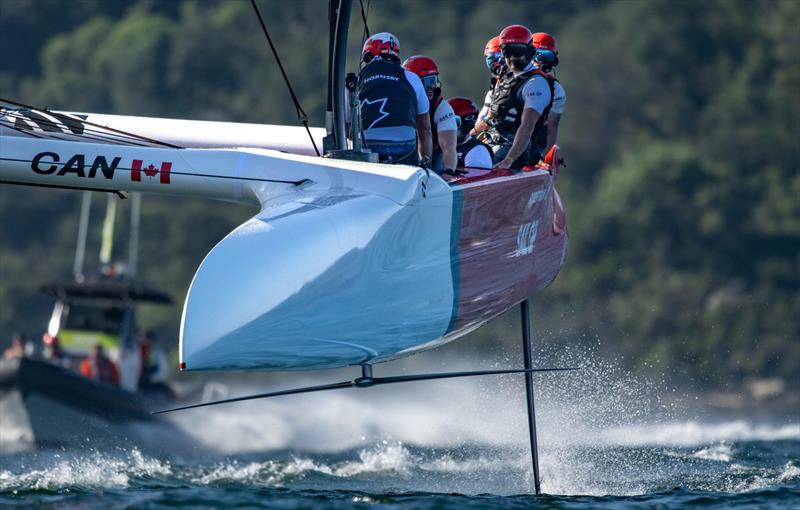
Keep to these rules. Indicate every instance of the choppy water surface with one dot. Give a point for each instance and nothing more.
(606, 440)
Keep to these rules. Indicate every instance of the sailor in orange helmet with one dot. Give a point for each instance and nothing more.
(443, 120)
(497, 67)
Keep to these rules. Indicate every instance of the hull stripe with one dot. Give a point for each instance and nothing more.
(455, 253)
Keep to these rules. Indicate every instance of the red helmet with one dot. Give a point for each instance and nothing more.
(515, 34)
(463, 106)
(421, 66)
(544, 41)
(492, 47)
(382, 43)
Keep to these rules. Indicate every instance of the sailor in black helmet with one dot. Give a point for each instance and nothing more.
(394, 106)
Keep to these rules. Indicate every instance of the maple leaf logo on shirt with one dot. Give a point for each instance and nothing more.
(374, 109)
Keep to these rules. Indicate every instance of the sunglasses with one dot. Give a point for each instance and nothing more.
(516, 50)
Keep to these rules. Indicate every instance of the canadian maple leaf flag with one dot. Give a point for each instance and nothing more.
(150, 170)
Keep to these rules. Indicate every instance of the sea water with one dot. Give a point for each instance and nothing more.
(607, 440)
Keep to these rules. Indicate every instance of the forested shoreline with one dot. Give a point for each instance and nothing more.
(681, 137)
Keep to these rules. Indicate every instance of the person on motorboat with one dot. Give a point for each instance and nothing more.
(99, 367)
(442, 117)
(154, 370)
(394, 105)
(521, 100)
(52, 352)
(471, 152)
(546, 59)
(494, 62)
(17, 347)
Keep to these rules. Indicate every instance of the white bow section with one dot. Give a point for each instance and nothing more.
(353, 266)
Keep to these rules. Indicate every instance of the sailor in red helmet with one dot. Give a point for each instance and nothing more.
(443, 120)
(497, 67)
(521, 100)
(546, 59)
(471, 152)
(394, 106)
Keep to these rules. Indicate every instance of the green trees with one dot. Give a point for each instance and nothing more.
(680, 133)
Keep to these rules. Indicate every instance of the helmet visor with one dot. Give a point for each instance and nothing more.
(516, 50)
(545, 57)
(430, 82)
(494, 60)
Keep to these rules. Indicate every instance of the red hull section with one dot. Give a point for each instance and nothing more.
(512, 242)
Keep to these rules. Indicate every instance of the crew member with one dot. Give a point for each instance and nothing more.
(442, 118)
(17, 348)
(98, 367)
(494, 61)
(546, 59)
(471, 152)
(51, 351)
(521, 100)
(394, 106)
(153, 374)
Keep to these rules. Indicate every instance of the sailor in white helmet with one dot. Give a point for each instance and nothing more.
(394, 106)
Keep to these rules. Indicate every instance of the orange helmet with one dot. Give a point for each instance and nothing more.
(421, 66)
(515, 34)
(493, 55)
(546, 50)
(493, 46)
(384, 44)
(544, 41)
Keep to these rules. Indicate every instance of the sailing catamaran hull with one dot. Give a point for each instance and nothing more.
(346, 262)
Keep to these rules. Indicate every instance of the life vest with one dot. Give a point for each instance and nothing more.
(463, 149)
(387, 98)
(102, 370)
(507, 107)
(432, 112)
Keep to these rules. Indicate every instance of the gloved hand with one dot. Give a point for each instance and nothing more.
(425, 162)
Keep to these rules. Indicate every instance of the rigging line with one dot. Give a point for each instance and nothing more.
(301, 114)
(118, 131)
(88, 134)
(364, 18)
(15, 128)
(99, 135)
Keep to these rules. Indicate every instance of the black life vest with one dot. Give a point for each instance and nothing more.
(387, 98)
(437, 100)
(507, 107)
(463, 149)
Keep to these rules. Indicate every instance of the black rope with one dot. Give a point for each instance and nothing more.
(87, 123)
(364, 15)
(301, 115)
